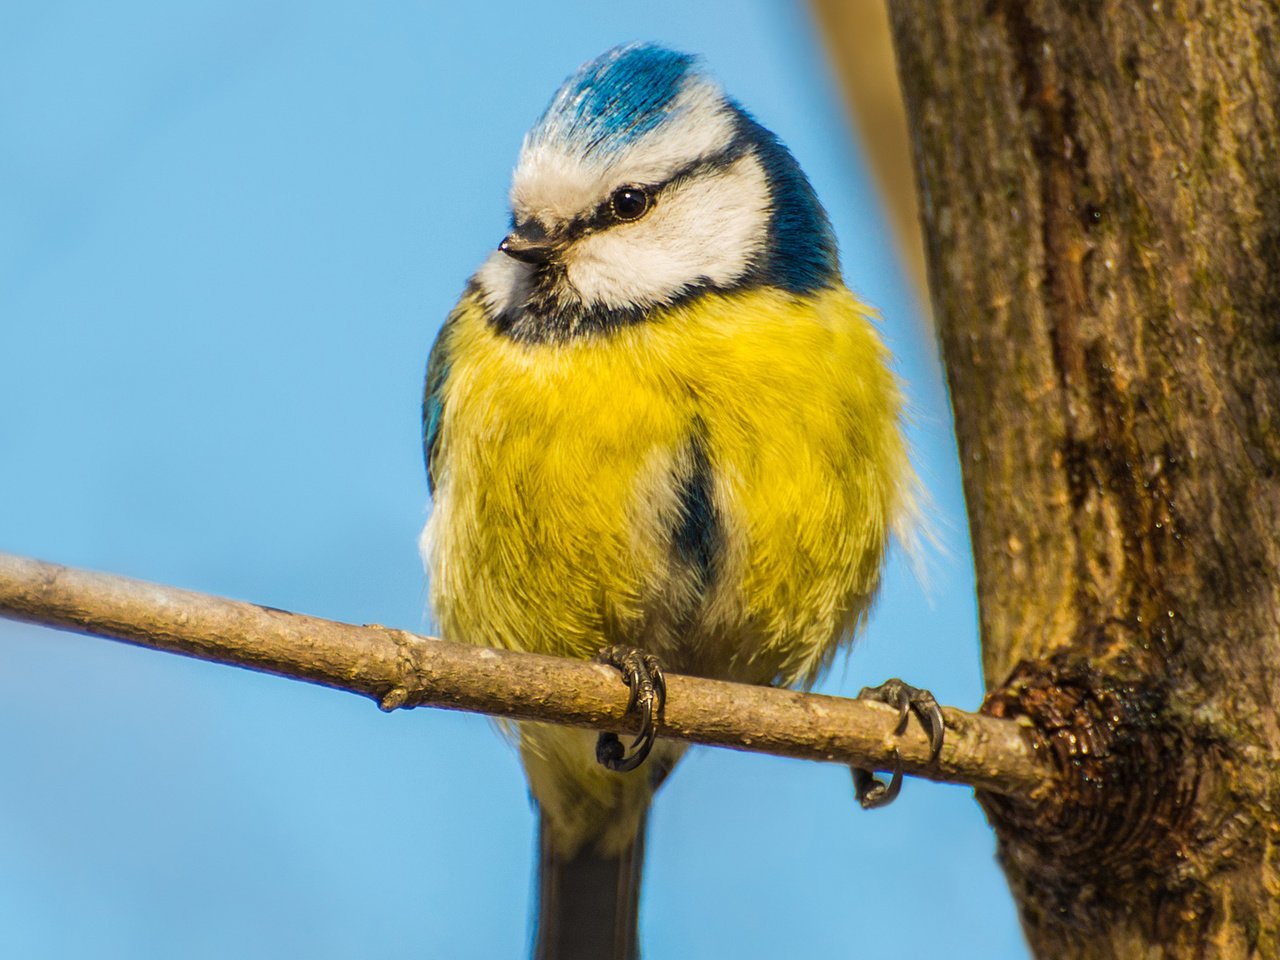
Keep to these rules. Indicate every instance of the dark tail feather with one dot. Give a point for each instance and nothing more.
(588, 904)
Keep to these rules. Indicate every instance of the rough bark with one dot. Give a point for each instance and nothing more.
(1101, 201)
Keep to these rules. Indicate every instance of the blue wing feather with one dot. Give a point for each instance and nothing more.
(433, 401)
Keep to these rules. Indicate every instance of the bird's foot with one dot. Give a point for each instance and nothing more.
(642, 674)
(874, 793)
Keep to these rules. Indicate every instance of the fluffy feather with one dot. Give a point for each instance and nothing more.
(559, 475)
(677, 432)
(730, 208)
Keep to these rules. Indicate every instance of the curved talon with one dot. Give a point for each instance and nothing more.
(937, 727)
(908, 699)
(642, 674)
(872, 792)
(904, 711)
(659, 679)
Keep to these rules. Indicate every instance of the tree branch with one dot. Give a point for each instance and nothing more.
(399, 669)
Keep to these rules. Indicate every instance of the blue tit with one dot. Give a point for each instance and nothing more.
(656, 421)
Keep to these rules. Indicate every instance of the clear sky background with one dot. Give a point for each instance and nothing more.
(229, 230)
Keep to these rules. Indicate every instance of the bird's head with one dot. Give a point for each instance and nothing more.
(641, 186)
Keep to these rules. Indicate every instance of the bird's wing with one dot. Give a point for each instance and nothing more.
(433, 398)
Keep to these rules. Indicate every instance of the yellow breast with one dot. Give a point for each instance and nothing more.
(560, 466)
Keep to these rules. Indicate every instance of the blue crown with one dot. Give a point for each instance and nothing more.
(629, 91)
(616, 98)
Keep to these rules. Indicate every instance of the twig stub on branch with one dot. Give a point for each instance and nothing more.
(399, 669)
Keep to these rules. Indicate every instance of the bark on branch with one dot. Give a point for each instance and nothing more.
(1101, 203)
(399, 669)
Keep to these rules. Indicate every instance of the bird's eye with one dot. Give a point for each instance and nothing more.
(629, 203)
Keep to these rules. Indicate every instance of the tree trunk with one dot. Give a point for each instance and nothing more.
(1101, 199)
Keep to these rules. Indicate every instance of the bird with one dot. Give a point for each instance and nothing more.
(661, 432)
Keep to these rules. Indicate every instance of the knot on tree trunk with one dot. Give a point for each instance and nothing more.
(1121, 819)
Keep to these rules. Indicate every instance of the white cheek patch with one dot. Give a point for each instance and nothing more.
(504, 283)
(557, 180)
(711, 227)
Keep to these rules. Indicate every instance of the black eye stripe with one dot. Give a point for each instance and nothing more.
(725, 158)
(603, 216)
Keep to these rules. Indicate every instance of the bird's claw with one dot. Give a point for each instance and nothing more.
(874, 793)
(642, 674)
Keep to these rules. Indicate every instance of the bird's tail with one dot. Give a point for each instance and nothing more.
(589, 902)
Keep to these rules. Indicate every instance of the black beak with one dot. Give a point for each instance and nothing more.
(527, 245)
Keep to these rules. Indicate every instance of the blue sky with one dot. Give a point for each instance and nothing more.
(230, 231)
